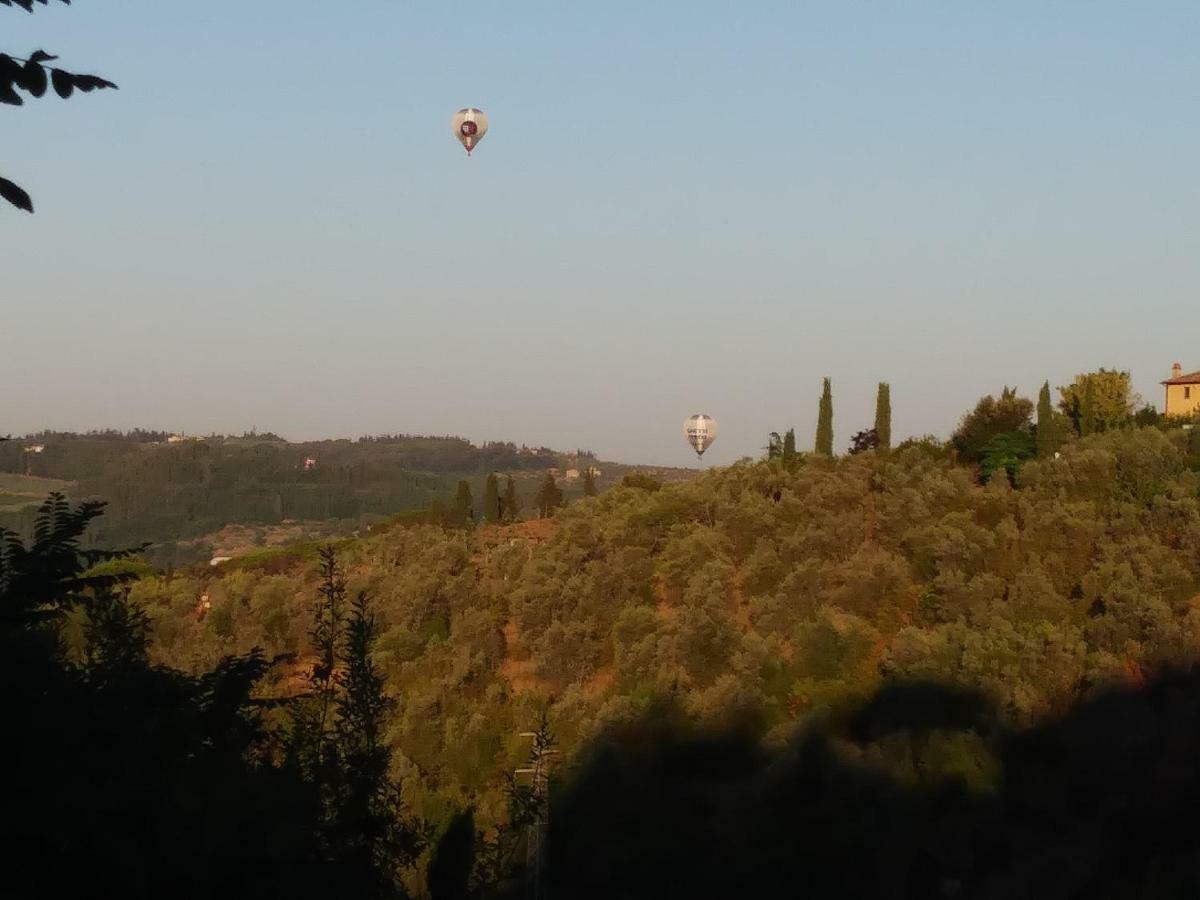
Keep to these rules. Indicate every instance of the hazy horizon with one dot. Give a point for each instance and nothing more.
(681, 209)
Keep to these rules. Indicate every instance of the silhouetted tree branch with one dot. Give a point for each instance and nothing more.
(31, 75)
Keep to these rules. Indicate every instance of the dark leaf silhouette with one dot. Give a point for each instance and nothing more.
(15, 195)
(64, 83)
(34, 79)
(27, 5)
(29, 75)
(89, 83)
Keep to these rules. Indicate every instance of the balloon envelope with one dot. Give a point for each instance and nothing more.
(469, 126)
(700, 431)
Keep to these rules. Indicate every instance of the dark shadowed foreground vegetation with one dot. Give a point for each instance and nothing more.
(866, 676)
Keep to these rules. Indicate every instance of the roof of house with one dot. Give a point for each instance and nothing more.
(1190, 378)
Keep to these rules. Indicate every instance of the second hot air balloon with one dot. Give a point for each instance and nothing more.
(700, 431)
(469, 126)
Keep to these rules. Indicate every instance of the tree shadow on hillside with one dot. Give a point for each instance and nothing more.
(919, 793)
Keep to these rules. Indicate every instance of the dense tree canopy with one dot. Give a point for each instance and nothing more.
(737, 608)
(753, 587)
(1098, 401)
(1007, 414)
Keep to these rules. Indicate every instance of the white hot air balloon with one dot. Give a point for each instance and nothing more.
(469, 126)
(700, 431)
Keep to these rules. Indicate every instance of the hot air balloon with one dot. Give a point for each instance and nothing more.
(700, 431)
(469, 126)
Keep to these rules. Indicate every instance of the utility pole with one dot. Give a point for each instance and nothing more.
(539, 772)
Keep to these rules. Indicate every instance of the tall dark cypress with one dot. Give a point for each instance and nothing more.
(1048, 439)
(883, 417)
(589, 482)
(464, 512)
(824, 443)
(511, 502)
(549, 498)
(789, 447)
(491, 499)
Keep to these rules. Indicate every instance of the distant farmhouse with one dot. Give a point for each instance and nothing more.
(1183, 392)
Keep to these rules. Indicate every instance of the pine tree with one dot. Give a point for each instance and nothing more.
(824, 443)
(491, 499)
(789, 447)
(883, 418)
(589, 482)
(510, 501)
(370, 829)
(325, 636)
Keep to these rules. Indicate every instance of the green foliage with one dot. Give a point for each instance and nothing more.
(549, 497)
(170, 494)
(751, 588)
(492, 510)
(589, 482)
(883, 417)
(824, 440)
(926, 445)
(463, 512)
(511, 502)
(1006, 452)
(1098, 401)
(337, 742)
(1052, 426)
(158, 772)
(991, 417)
(640, 481)
(863, 441)
(788, 453)
(1147, 416)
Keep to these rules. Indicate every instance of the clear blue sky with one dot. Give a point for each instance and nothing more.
(680, 207)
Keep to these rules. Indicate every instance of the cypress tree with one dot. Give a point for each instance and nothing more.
(511, 503)
(589, 482)
(549, 498)
(1047, 426)
(463, 512)
(491, 499)
(789, 446)
(883, 418)
(824, 443)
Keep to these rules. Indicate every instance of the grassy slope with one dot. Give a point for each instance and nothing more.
(18, 491)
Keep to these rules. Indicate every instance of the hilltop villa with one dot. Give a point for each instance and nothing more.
(1183, 392)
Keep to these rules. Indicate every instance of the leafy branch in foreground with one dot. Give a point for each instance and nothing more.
(31, 75)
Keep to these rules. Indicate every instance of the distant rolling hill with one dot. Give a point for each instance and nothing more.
(178, 494)
(19, 491)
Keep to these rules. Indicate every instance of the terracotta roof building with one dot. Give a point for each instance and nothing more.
(1183, 392)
